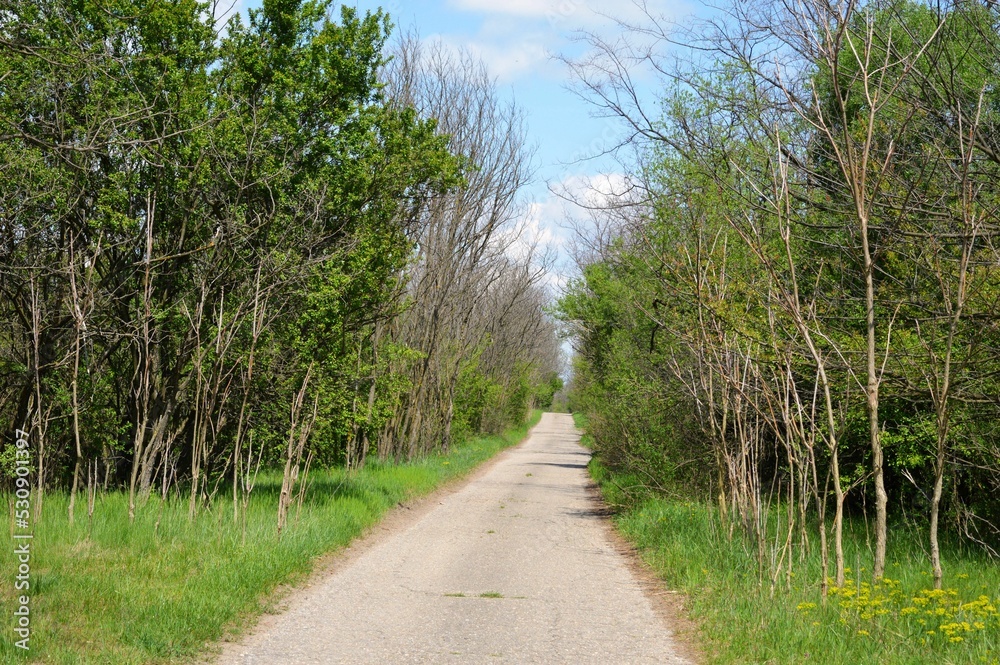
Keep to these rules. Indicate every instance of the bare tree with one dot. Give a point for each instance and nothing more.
(464, 240)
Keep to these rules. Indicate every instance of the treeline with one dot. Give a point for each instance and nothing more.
(264, 243)
(793, 308)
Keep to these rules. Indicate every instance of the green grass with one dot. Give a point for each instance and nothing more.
(139, 594)
(580, 420)
(741, 622)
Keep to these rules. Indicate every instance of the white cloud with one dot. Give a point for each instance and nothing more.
(515, 7)
(574, 14)
(507, 61)
(533, 237)
(589, 191)
(517, 38)
(541, 222)
(552, 226)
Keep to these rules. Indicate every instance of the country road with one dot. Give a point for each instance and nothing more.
(515, 567)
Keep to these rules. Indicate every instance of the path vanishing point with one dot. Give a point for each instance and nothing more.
(517, 566)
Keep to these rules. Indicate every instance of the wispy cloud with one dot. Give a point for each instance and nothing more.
(517, 38)
(576, 13)
(507, 60)
(513, 7)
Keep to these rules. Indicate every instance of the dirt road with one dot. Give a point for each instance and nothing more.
(515, 567)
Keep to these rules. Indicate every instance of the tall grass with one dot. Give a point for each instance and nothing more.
(142, 593)
(742, 620)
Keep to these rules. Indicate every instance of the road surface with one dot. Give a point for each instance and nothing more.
(515, 567)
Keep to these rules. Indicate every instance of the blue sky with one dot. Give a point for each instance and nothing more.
(518, 39)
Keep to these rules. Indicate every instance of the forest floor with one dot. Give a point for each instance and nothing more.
(518, 565)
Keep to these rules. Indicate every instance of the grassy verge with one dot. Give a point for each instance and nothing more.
(141, 593)
(586, 440)
(899, 620)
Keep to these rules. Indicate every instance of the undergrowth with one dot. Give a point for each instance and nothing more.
(165, 589)
(748, 615)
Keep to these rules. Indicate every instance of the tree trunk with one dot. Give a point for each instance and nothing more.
(872, 394)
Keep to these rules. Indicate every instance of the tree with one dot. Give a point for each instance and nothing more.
(809, 223)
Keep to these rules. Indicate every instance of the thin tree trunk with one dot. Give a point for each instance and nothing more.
(872, 395)
(76, 431)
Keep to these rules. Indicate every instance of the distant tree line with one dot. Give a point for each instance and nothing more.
(260, 243)
(795, 302)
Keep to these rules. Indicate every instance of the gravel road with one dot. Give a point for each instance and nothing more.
(515, 567)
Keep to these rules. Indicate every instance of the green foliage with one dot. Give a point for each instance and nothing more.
(546, 390)
(701, 324)
(208, 214)
(476, 395)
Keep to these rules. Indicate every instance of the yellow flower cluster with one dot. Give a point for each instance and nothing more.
(929, 615)
(866, 601)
